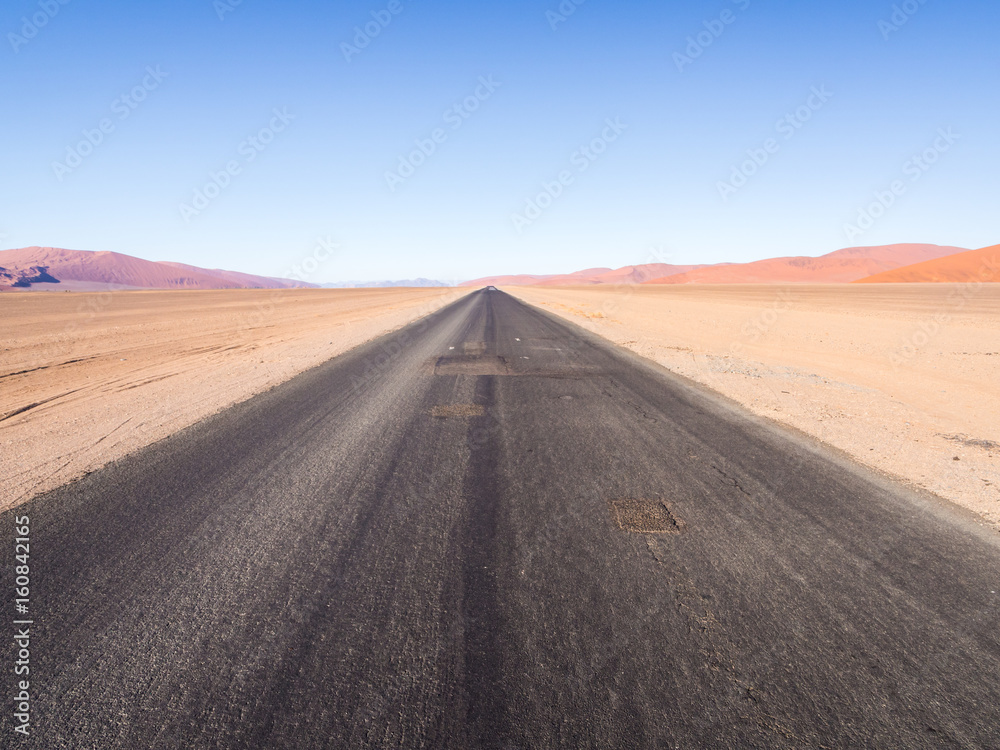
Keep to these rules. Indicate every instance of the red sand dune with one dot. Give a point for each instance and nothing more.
(241, 280)
(840, 266)
(974, 265)
(529, 279)
(523, 279)
(624, 275)
(116, 269)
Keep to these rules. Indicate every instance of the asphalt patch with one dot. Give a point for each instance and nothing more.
(645, 516)
(470, 364)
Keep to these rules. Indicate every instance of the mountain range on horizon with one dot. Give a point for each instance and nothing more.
(84, 270)
(46, 268)
(840, 266)
(637, 274)
(421, 282)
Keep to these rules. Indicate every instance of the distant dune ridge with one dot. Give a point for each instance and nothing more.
(625, 275)
(411, 283)
(970, 266)
(80, 270)
(47, 267)
(840, 266)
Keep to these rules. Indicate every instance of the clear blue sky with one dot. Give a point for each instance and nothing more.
(687, 124)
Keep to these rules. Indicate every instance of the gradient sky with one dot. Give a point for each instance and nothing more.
(655, 187)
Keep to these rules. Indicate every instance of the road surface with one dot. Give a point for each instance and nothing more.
(492, 529)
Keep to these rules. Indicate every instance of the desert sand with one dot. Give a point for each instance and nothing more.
(903, 378)
(88, 378)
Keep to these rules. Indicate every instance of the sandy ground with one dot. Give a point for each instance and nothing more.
(87, 378)
(904, 378)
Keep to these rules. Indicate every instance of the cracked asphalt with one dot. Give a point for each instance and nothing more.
(415, 545)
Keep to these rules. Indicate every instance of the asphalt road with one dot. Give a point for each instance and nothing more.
(491, 529)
